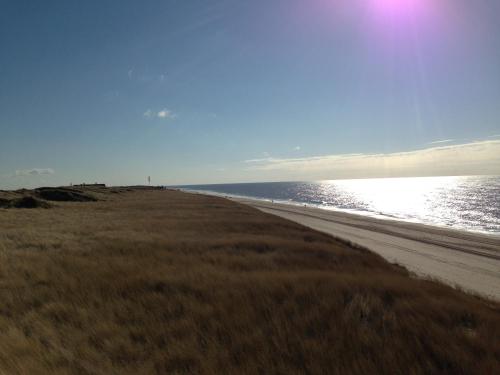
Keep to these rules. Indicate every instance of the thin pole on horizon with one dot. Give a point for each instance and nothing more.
(149, 180)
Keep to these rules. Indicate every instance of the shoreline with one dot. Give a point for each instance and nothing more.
(115, 284)
(459, 258)
(364, 214)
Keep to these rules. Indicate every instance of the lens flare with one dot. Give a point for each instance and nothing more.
(403, 17)
(400, 10)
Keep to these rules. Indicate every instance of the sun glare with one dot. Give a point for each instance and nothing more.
(399, 9)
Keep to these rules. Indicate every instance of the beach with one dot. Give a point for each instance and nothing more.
(139, 280)
(250, 187)
(464, 259)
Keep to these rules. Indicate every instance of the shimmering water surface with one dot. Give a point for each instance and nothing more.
(471, 203)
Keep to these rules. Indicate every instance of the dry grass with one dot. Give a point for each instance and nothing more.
(163, 282)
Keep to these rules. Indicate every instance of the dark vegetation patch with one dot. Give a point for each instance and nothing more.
(29, 202)
(4, 203)
(64, 195)
(23, 202)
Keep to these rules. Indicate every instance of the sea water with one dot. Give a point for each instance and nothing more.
(468, 203)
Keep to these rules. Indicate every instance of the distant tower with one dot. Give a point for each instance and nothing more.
(149, 180)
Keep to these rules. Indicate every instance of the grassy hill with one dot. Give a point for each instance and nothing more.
(151, 281)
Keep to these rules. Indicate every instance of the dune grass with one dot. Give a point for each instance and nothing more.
(162, 282)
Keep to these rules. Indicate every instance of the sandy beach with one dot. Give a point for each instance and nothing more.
(462, 259)
(250, 187)
(135, 280)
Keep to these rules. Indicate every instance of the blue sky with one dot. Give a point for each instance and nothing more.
(194, 91)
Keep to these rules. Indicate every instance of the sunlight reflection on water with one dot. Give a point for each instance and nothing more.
(471, 203)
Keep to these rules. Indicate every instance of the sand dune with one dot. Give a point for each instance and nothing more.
(463, 259)
(145, 281)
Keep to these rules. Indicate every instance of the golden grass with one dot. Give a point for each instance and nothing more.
(164, 282)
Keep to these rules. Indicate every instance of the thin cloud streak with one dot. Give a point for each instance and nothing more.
(481, 157)
(34, 172)
(163, 114)
(166, 114)
(440, 142)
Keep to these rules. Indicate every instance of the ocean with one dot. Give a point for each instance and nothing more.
(468, 203)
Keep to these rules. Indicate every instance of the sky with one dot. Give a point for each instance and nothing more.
(215, 91)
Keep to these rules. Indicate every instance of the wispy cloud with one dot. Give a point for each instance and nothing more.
(34, 172)
(166, 114)
(481, 157)
(265, 157)
(163, 114)
(441, 142)
(264, 160)
(297, 148)
(143, 76)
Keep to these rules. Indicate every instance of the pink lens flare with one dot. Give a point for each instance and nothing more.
(400, 10)
(399, 18)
